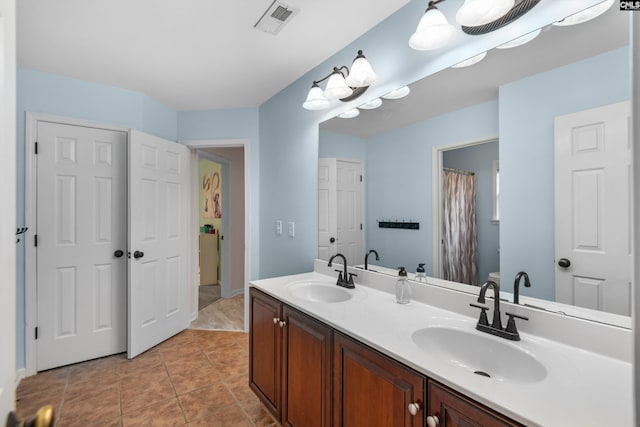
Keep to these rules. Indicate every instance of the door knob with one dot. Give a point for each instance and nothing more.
(332, 240)
(413, 408)
(564, 263)
(276, 320)
(138, 254)
(433, 421)
(118, 253)
(282, 323)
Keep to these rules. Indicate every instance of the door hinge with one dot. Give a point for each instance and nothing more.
(36, 147)
(36, 332)
(35, 240)
(360, 226)
(360, 178)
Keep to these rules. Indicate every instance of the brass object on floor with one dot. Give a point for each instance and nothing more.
(43, 418)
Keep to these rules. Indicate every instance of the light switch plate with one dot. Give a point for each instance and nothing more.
(279, 227)
(292, 229)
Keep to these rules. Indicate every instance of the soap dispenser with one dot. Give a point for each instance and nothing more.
(403, 287)
(420, 273)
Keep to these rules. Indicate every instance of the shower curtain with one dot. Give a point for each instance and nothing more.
(460, 246)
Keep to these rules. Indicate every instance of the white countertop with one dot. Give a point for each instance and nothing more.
(581, 388)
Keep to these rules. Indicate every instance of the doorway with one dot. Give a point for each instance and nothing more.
(481, 159)
(227, 311)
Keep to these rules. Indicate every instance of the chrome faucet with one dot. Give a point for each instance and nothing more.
(342, 278)
(510, 332)
(366, 258)
(516, 286)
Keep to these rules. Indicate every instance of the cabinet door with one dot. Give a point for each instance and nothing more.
(306, 399)
(370, 389)
(455, 410)
(265, 343)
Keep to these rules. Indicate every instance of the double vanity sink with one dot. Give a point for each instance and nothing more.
(534, 381)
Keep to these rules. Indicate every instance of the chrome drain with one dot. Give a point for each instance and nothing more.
(482, 373)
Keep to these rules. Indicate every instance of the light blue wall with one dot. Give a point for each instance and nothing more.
(339, 145)
(289, 134)
(399, 185)
(241, 123)
(479, 159)
(526, 157)
(63, 96)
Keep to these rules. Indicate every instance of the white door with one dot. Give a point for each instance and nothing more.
(349, 223)
(326, 208)
(158, 241)
(593, 211)
(81, 223)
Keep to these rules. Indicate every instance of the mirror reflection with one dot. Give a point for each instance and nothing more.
(529, 127)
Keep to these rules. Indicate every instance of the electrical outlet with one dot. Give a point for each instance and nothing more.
(292, 229)
(278, 227)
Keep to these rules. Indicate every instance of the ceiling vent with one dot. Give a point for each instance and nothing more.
(275, 17)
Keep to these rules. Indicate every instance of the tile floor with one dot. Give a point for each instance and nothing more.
(224, 314)
(196, 378)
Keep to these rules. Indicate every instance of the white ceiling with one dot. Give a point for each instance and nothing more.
(189, 54)
(454, 89)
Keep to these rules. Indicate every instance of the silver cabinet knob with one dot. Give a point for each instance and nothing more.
(413, 408)
(282, 323)
(275, 320)
(433, 421)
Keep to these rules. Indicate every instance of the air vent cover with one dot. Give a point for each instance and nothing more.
(275, 17)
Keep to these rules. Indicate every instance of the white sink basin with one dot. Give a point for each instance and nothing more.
(487, 356)
(325, 292)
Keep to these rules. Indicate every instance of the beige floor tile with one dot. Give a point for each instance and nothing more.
(203, 403)
(230, 416)
(27, 406)
(165, 413)
(195, 379)
(145, 393)
(188, 363)
(85, 412)
(239, 387)
(257, 413)
(37, 383)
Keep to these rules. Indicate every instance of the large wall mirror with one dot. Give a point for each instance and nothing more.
(501, 119)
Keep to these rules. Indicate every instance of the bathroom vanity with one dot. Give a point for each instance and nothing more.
(321, 355)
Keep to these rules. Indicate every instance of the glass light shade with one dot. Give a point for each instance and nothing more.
(398, 93)
(433, 31)
(586, 15)
(361, 73)
(520, 40)
(336, 87)
(315, 100)
(350, 114)
(374, 103)
(480, 12)
(470, 61)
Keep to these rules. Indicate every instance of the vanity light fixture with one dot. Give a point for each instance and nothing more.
(586, 15)
(374, 103)
(481, 12)
(433, 30)
(342, 84)
(520, 40)
(350, 114)
(469, 62)
(401, 92)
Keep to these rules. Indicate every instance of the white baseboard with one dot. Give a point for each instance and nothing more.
(20, 374)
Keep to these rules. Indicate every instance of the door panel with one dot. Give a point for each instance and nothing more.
(593, 209)
(349, 210)
(326, 208)
(158, 241)
(81, 285)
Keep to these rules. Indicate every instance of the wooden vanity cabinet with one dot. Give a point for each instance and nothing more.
(370, 389)
(452, 409)
(290, 362)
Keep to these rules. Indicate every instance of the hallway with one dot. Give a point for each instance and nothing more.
(196, 378)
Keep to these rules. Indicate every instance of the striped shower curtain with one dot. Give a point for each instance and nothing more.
(460, 246)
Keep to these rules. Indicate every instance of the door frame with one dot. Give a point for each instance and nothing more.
(194, 145)
(436, 194)
(30, 210)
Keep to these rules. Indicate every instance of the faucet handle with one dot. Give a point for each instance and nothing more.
(339, 275)
(350, 281)
(484, 321)
(511, 324)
